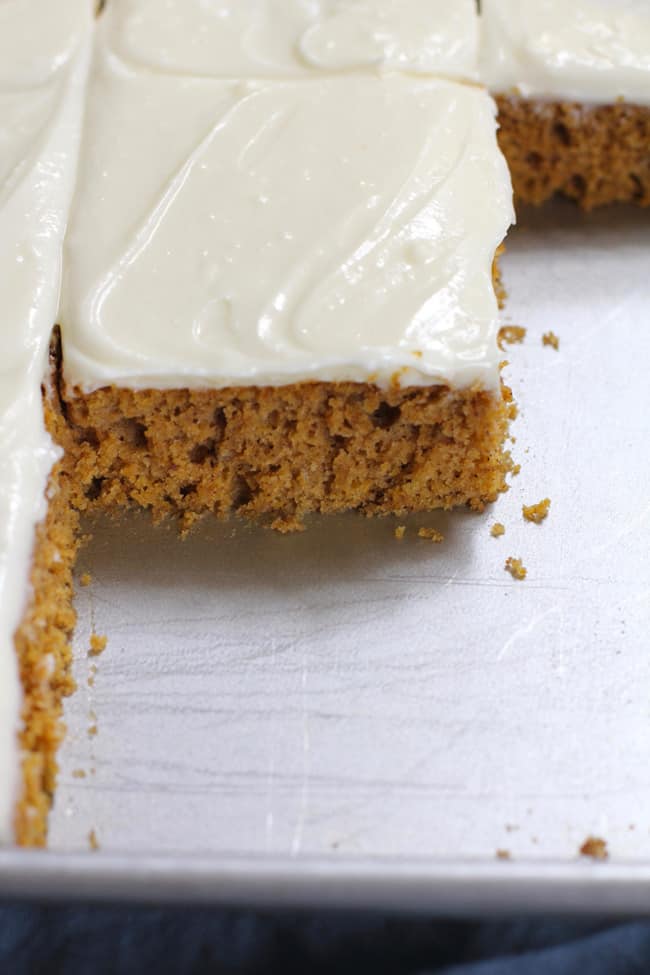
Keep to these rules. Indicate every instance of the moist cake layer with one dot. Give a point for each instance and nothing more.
(277, 454)
(595, 154)
(587, 51)
(291, 38)
(43, 59)
(254, 233)
(43, 648)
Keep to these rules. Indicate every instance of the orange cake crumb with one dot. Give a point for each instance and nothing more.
(536, 512)
(92, 731)
(504, 855)
(594, 847)
(516, 568)
(78, 773)
(432, 534)
(594, 154)
(97, 645)
(48, 622)
(516, 469)
(497, 530)
(400, 531)
(276, 454)
(550, 338)
(93, 842)
(511, 334)
(85, 579)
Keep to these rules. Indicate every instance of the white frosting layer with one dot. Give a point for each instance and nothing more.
(593, 51)
(272, 232)
(42, 72)
(287, 38)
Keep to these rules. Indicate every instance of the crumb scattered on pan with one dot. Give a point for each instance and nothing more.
(86, 579)
(93, 842)
(536, 512)
(92, 730)
(504, 855)
(97, 645)
(516, 568)
(511, 334)
(400, 531)
(550, 338)
(497, 530)
(78, 773)
(516, 469)
(508, 398)
(91, 681)
(594, 847)
(432, 534)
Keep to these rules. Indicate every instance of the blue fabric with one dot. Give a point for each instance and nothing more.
(97, 940)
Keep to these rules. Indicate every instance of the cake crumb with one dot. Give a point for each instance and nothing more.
(511, 334)
(497, 530)
(536, 512)
(93, 842)
(85, 579)
(91, 681)
(550, 338)
(516, 469)
(504, 855)
(78, 773)
(400, 531)
(92, 731)
(516, 568)
(432, 534)
(97, 645)
(594, 847)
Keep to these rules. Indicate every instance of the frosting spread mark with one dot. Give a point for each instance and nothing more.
(318, 231)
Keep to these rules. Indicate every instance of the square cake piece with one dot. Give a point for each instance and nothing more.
(572, 82)
(290, 306)
(44, 53)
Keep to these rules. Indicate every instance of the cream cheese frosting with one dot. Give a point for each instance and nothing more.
(293, 38)
(588, 51)
(265, 232)
(43, 62)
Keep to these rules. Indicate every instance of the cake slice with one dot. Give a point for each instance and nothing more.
(290, 306)
(572, 82)
(43, 60)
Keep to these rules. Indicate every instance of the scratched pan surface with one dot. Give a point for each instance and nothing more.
(342, 717)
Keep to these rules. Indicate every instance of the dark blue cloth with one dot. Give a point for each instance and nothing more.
(98, 940)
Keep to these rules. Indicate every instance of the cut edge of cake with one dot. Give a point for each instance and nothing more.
(593, 154)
